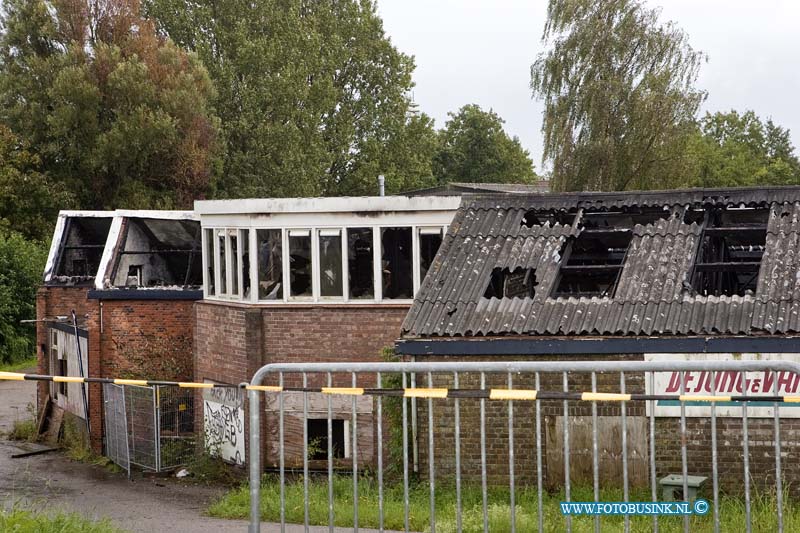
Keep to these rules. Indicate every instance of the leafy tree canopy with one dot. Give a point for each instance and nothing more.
(115, 112)
(21, 265)
(618, 89)
(474, 148)
(312, 95)
(29, 199)
(734, 150)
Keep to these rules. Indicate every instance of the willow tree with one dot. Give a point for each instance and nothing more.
(619, 93)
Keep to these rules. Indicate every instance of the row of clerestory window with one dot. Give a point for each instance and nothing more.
(727, 258)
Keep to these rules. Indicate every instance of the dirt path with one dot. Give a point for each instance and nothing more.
(52, 482)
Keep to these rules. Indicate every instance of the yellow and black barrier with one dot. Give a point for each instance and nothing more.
(418, 392)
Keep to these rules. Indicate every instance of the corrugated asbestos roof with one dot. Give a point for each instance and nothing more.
(651, 298)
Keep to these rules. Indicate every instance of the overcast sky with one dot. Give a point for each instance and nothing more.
(480, 51)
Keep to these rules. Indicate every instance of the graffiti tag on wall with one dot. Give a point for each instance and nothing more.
(223, 422)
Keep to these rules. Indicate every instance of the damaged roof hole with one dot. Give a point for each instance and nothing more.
(591, 264)
(82, 246)
(731, 248)
(506, 283)
(536, 217)
(624, 219)
(160, 253)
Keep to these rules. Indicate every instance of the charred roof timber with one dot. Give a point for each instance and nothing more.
(693, 262)
(126, 249)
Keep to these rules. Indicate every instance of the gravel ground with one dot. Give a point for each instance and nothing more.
(51, 482)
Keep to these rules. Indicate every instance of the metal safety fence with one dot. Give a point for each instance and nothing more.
(151, 427)
(542, 425)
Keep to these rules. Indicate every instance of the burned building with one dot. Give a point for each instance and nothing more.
(303, 280)
(686, 275)
(131, 277)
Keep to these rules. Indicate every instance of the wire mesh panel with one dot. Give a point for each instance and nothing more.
(176, 437)
(116, 425)
(142, 427)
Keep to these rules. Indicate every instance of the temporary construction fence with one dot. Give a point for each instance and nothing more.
(151, 427)
(623, 392)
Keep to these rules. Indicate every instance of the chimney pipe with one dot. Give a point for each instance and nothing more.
(381, 183)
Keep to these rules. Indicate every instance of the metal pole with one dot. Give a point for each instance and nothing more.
(255, 463)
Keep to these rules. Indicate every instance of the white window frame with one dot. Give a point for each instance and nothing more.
(320, 232)
(314, 231)
(287, 235)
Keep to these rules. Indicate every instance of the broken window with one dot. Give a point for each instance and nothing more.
(551, 217)
(360, 263)
(210, 261)
(300, 263)
(396, 272)
(244, 240)
(591, 263)
(223, 269)
(160, 253)
(82, 247)
(330, 263)
(730, 249)
(429, 241)
(233, 253)
(505, 283)
(318, 439)
(134, 276)
(270, 264)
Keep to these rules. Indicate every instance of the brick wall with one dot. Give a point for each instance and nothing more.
(232, 341)
(126, 338)
(667, 444)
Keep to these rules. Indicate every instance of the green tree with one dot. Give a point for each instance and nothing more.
(115, 112)
(29, 199)
(733, 149)
(313, 96)
(474, 148)
(21, 265)
(618, 89)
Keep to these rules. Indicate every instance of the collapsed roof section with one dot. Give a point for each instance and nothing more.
(616, 264)
(126, 249)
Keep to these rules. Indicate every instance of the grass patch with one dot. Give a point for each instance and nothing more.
(25, 428)
(19, 365)
(235, 504)
(76, 446)
(21, 521)
(207, 469)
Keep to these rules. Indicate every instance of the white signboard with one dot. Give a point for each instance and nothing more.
(223, 422)
(726, 384)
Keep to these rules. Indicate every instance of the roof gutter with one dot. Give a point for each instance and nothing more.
(597, 346)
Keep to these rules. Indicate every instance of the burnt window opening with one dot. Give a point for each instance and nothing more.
(82, 247)
(160, 253)
(318, 439)
(540, 218)
(623, 219)
(505, 283)
(730, 250)
(592, 263)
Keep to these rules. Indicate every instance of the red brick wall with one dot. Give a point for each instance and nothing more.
(232, 341)
(132, 331)
(148, 339)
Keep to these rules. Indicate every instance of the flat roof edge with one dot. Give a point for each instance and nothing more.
(340, 204)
